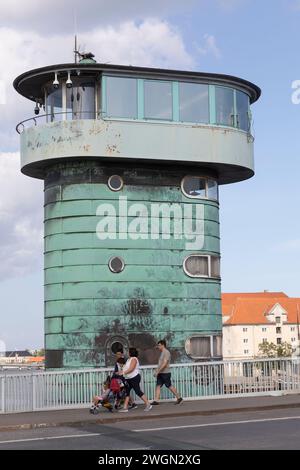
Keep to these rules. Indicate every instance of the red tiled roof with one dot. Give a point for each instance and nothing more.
(253, 308)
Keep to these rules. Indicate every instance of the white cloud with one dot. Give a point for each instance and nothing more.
(209, 46)
(21, 219)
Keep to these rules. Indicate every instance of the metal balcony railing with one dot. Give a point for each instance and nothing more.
(49, 390)
(54, 117)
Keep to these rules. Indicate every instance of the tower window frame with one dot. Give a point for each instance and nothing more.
(111, 187)
(209, 266)
(207, 179)
(214, 344)
(112, 268)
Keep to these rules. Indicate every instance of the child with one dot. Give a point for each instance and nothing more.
(103, 399)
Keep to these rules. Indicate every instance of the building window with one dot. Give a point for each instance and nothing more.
(278, 330)
(158, 100)
(202, 266)
(265, 340)
(116, 264)
(292, 328)
(115, 183)
(225, 106)
(277, 319)
(246, 351)
(242, 111)
(293, 340)
(121, 97)
(81, 99)
(54, 103)
(264, 329)
(193, 102)
(278, 340)
(204, 347)
(200, 187)
(245, 340)
(245, 330)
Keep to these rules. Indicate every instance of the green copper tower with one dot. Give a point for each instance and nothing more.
(132, 159)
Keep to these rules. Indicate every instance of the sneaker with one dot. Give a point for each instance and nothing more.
(123, 411)
(133, 406)
(148, 408)
(179, 400)
(154, 403)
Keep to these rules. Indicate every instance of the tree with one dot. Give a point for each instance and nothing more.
(267, 349)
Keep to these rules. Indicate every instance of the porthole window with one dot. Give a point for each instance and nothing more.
(116, 264)
(117, 346)
(200, 187)
(115, 183)
(202, 266)
(204, 346)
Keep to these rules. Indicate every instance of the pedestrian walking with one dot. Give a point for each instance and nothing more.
(163, 374)
(119, 366)
(131, 372)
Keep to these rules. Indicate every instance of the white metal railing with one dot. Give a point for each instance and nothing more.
(33, 391)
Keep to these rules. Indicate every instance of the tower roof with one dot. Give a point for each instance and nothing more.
(30, 84)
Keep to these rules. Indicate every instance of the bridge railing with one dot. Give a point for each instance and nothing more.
(63, 389)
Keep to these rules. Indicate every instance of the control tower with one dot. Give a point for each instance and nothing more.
(132, 159)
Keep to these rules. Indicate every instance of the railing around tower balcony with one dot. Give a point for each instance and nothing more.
(55, 117)
(195, 381)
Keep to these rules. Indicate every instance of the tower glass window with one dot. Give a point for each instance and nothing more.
(242, 111)
(116, 264)
(193, 102)
(121, 97)
(215, 266)
(196, 266)
(81, 99)
(202, 266)
(200, 187)
(158, 99)
(115, 183)
(204, 347)
(54, 103)
(212, 189)
(225, 106)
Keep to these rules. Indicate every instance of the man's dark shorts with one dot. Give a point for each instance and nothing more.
(164, 379)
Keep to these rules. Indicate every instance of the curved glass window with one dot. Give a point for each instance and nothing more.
(196, 266)
(81, 99)
(242, 111)
(116, 264)
(225, 106)
(193, 102)
(158, 100)
(54, 103)
(121, 97)
(212, 189)
(202, 266)
(200, 187)
(204, 346)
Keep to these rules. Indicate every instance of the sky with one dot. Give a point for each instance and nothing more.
(254, 40)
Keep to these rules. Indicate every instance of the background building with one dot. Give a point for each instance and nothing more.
(117, 141)
(250, 319)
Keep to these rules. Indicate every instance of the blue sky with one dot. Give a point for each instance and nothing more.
(255, 40)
